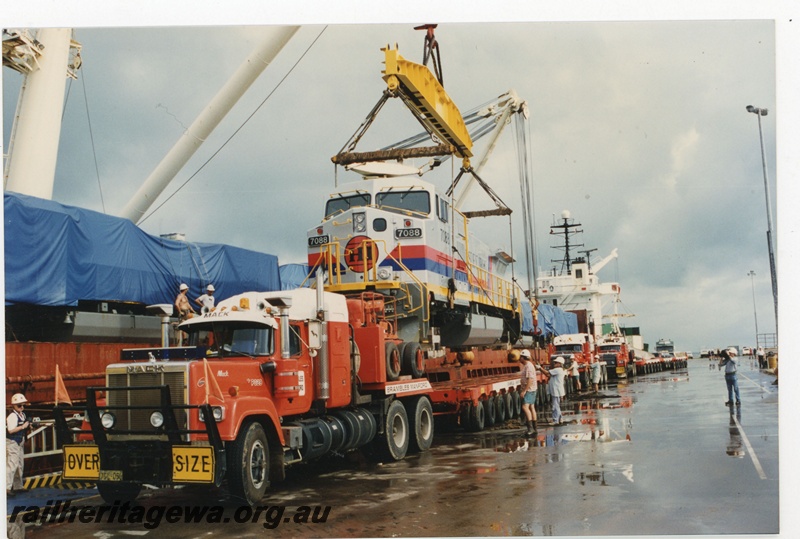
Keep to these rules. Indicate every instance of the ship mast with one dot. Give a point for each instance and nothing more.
(567, 228)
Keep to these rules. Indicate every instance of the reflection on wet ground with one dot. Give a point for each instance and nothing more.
(657, 448)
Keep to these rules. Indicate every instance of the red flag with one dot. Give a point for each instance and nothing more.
(61, 389)
(212, 387)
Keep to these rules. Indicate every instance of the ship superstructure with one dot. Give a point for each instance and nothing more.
(575, 286)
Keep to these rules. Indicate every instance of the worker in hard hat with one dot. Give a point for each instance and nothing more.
(17, 426)
(206, 301)
(729, 361)
(182, 304)
(556, 377)
(528, 390)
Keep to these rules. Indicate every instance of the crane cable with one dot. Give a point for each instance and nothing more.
(236, 131)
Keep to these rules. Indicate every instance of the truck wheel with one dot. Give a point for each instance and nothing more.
(249, 464)
(392, 361)
(491, 413)
(477, 419)
(113, 492)
(500, 408)
(420, 423)
(393, 443)
(413, 360)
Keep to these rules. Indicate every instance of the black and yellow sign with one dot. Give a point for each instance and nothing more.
(193, 464)
(81, 462)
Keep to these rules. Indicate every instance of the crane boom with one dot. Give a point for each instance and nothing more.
(599, 265)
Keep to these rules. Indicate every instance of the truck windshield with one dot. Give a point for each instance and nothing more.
(236, 339)
(569, 348)
(610, 348)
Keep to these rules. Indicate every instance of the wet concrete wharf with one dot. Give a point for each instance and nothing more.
(661, 455)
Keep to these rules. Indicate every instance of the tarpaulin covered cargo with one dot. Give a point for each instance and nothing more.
(293, 276)
(56, 255)
(552, 320)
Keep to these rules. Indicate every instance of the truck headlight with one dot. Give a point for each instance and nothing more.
(384, 274)
(108, 420)
(218, 412)
(157, 419)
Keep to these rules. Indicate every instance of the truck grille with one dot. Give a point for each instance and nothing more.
(139, 420)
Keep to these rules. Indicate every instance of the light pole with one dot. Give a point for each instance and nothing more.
(759, 113)
(755, 316)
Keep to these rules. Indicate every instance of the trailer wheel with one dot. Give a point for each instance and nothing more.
(249, 464)
(113, 492)
(500, 408)
(491, 412)
(393, 443)
(392, 361)
(477, 419)
(509, 402)
(413, 360)
(420, 423)
(516, 402)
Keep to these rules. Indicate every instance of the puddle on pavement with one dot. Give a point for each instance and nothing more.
(476, 471)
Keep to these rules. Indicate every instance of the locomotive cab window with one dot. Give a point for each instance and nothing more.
(342, 203)
(442, 209)
(404, 201)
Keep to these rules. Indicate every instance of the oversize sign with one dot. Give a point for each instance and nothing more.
(81, 462)
(193, 464)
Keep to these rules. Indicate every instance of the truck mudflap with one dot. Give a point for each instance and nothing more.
(161, 455)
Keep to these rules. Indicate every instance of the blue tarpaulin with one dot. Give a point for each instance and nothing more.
(552, 320)
(56, 255)
(294, 275)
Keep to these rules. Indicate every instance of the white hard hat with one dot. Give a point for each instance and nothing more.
(18, 398)
(184, 286)
(525, 353)
(559, 360)
(210, 288)
(732, 351)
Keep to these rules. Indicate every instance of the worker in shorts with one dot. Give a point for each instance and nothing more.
(529, 387)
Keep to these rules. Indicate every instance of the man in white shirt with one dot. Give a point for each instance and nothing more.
(557, 377)
(16, 427)
(206, 301)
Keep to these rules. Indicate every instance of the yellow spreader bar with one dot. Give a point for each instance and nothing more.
(430, 101)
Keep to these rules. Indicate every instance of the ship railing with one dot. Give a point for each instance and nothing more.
(42, 440)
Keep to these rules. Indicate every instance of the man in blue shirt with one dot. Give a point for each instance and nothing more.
(729, 361)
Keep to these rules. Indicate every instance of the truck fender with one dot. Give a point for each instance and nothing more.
(243, 409)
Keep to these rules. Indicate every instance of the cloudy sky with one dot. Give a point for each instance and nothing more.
(638, 127)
